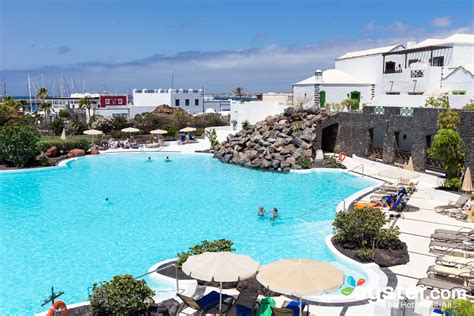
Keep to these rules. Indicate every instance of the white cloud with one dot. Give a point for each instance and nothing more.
(444, 21)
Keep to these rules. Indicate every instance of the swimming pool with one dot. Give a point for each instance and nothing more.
(58, 229)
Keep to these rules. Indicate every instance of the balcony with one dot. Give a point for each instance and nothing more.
(434, 165)
(417, 73)
(375, 152)
(402, 156)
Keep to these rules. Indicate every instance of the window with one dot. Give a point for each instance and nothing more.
(392, 93)
(186, 102)
(120, 101)
(412, 61)
(389, 67)
(438, 61)
(196, 102)
(176, 102)
(107, 101)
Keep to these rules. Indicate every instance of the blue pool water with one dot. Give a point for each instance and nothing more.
(57, 229)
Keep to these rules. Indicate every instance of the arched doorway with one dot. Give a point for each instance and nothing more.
(329, 137)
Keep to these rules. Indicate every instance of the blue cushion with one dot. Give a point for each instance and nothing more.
(295, 307)
(243, 310)
(210, 300)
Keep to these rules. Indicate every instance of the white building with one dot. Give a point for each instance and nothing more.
(332, 86)
(189, 100)
(407, 75)
(252, 112)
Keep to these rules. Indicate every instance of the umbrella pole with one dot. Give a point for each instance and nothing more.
(301, 310)
(220, 298)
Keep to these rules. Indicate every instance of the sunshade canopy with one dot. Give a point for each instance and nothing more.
(159, 131)
(220, 267)
(467, 181)
(409, 165)
(130, 130)
(187, 129)
(93, 132)
(300, 277)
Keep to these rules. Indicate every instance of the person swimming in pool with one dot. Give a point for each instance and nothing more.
(149, 158)
(261, 211)
(167, 158)
(275, 214)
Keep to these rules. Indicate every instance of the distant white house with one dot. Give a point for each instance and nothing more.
(252, 112)
(332, 86)
(407, 75)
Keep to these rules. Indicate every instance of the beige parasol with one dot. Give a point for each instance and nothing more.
(398, 173)
(130, 130)
(63, 134)
(409, 165)
(467, 181)
(159, 132)
(93, 133)
(187, 129)
(220, 267)
(300, 277)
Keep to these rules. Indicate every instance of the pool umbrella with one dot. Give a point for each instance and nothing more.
(467, 182)
(409, 165)
(63, 134)
(159, 132)
(130, 130)
(187, 129)
(93, 133)
(398, 173)
(300, 277)
(220, 267)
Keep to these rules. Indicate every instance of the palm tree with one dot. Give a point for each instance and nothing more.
(86, 103)
(46, 108)
(240, 93)
(42, 94)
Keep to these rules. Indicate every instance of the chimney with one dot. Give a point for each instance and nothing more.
(319, 75)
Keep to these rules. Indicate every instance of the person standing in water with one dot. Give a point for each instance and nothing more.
(275, 214)
(261, 211)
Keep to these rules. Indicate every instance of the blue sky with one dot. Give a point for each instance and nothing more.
(262, 45)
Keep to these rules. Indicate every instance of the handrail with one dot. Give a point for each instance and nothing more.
(359, 165)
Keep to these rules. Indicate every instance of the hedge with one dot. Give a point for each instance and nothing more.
(64, 145)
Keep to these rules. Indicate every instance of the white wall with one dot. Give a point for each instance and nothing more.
(151, 99)
(459, 80)
(337, 93)
(304, 92)
(463, 54)
(253, 111)
(455, 101)
(367, 68)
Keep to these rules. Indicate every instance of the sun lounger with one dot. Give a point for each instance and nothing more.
(457, 249)
(461, 273)
(460, 232)
(460, 203)
(295, 307)
(208, 303)
(442, 284)
(243, 305)
(448, 237)
(455, 261)
(451, 245)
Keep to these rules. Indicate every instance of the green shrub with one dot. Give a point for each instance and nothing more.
(44, 162)
(212, 136)
(333, 162)
(64, 145)
(447, 146)
(171, 129)
(64, 114)
(363, 228)
(76, 127)
(245, 124)
(57, 126)
(296, 127)
(365, 254)
(304, 162)
(459, 307)
(469, 107)
(18, 144)
(453, 183)
(219, 245)
(124, 295)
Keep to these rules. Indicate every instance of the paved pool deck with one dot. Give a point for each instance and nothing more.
(416, 225)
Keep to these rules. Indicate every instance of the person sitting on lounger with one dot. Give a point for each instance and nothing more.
(275, 214)
(261, 211)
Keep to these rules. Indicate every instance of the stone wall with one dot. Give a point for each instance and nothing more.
(353, 135)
